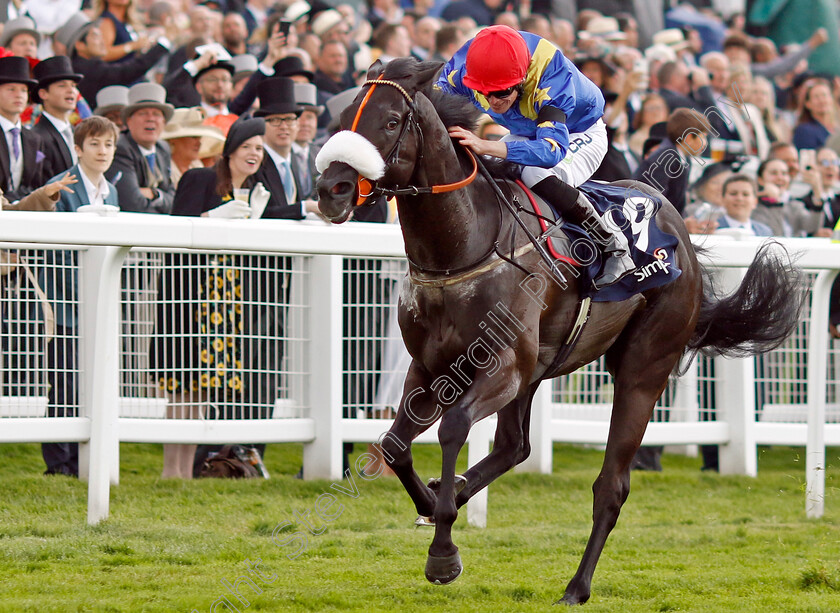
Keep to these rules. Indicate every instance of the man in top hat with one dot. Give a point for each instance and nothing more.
(86, 49)
(302, 148)
(292, 66)
(57, 91)
(21, 37)
(279, 168)
(142, 165)
(21, 157)
(110, 101)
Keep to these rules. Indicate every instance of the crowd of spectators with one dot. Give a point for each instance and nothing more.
(750, 124)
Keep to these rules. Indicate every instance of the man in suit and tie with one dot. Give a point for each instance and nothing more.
(142, 165)
(303, 150)
(277, 172)
(740, 198)
(21, 157)
(57, 92)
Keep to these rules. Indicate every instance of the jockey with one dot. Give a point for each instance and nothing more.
(554, 115)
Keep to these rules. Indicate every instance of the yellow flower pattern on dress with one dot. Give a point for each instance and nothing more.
(218, 313)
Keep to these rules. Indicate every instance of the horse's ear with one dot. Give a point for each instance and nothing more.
(426, 74)
(375, 70)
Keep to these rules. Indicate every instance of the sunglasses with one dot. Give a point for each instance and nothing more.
(828, 163)
(502, 93)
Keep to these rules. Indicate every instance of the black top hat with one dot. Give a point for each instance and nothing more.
(277, 97)
(223, 65)
(15, 70)
(53, 69)
(292, 66)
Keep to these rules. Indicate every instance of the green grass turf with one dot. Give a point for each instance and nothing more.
(686, 540)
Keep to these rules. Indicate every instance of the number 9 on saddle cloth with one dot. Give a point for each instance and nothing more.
(634, 212)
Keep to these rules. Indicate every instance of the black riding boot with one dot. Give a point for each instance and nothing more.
(576, 208)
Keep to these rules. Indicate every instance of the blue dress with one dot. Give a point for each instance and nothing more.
(122, 34)
(810, 135)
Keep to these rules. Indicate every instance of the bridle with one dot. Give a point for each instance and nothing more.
(367, 188)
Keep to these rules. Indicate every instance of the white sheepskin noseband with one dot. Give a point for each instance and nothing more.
(354, 150)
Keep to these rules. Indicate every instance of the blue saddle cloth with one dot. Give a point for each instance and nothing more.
(651, 248)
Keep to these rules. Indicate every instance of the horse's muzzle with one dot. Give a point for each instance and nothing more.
(337, 191)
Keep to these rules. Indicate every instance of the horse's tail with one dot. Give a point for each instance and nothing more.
(759, 315)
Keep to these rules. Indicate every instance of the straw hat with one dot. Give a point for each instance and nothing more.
(660, 53)
(296, 10)
(326, 21)
(187, 122)
(605, 28)
(672, 37)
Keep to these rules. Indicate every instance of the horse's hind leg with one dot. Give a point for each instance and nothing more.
(510, 447)
(638, 385)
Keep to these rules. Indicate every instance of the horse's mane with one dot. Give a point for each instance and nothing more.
(452, 110)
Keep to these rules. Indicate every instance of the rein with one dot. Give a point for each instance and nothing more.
(368, 188)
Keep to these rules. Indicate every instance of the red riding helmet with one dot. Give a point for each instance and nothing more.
(498, 58)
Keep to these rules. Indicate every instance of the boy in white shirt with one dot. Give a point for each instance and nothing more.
(95, 143)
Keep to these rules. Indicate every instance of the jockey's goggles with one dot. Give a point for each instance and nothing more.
(502, 93)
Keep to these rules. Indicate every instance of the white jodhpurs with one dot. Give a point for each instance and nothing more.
(586, 152)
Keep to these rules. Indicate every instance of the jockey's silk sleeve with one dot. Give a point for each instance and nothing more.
(556, 99)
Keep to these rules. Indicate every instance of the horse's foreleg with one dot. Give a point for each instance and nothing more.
(444, 564)
(487, 395)
(416, 415)
(510, 447)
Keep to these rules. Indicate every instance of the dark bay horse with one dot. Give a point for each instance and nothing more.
(481, 343)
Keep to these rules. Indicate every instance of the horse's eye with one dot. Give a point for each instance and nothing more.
(392, 125)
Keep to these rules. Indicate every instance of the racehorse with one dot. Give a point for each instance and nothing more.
(458, 243)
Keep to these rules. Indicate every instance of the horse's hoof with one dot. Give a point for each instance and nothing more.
(460, 483)
(441, 571)
(571, 599)
(424, 522)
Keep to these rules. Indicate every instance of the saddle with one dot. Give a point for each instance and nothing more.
(635, 212)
